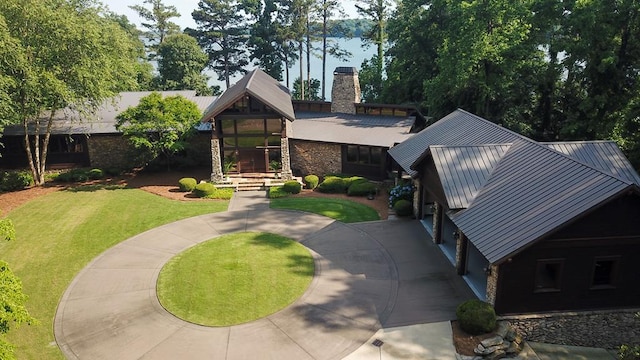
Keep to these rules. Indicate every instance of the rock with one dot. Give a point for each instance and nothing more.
(514, 348)
(510, 335)
(481, 350)
(503, 328)
(498, 354)
(467, 357)
(493, 341)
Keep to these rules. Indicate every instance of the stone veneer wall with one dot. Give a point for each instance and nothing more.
(308, 157)
(492, 284)
(603, 329)
(345, 92)
(285, 159)
(111, 151)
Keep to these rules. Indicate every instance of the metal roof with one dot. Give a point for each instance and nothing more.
(457, 128)
(260, 85)
(603, 155)
(464, 170)
(371, 130)
(531, 193)
(68, 121)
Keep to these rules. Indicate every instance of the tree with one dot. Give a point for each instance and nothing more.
(65, 55)
(312, 88)
(181, 63)
(328, 9)
(159, 126)
(263, 42)
(378, 12)
(158, 22)
(221, 35)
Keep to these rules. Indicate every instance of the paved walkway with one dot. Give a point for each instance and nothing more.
(369, 276)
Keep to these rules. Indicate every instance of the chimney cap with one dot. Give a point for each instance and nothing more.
(345, 70)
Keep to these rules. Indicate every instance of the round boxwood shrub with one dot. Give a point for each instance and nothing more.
(361, 188)
(187, 184)
(333, 184)
(96, 174)
(403, 208)
(476, 317)
(311, 181)
(292, 187)
(204, 190)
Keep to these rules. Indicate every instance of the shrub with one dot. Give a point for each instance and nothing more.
(362, 188)
(292, 187)
(311, 181)
(15, 180)
(277, 192)
(95, 174)
(354, 180)
(221, 194)
(403, 207)
(204, 190)
(113, 171)
(401, 192)
(187, 184)
(7, 231)
(333, 184)
(476, 317)
(74, 175)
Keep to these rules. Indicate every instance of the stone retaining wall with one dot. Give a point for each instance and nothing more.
(308, 157)
(603, 329)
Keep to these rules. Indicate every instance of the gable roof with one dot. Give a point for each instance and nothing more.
(524, 190)
(68, 121)
(370, 130)
(261, 86)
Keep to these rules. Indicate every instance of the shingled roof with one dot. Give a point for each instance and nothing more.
(510, 191)
(260, 85)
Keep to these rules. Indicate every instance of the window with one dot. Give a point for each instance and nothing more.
(364, 155)
(548, 275)
(605, 269)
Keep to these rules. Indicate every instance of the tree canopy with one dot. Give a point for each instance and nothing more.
(157, 23)
(181, 63)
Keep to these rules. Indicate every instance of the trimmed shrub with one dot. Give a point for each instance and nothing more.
(476, 317)
(7, 231)
(403, 208)
(15, 180)
(95, 174)
(292, 187)
(401, 192)
(354, 180)
(221, 194)
(311, 181)
(333, 184)
(187, 184)
(362, 188)
(74, 175)
(204, 190)
(277, 192)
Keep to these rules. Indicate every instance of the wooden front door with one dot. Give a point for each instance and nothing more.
(251, 161)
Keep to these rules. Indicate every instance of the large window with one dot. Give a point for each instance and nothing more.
(548, 275)
(364, 155)
(605, 271)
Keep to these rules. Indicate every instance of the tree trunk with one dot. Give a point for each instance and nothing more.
(301, 71)
(324, 47)
(308, 58)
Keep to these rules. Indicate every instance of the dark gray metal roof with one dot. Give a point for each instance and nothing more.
(67, 121)
(260, 85)
(457, 128)
(603, 155)
(371, 130)
(532, 192)
(464, 170)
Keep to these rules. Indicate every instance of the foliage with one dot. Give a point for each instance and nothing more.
(362, 188)
(7, 230)
(275, 192)
(158, 22)
(310, 93)
(203, 190)
(275, 165)
(265, 34)
(187, 184)
(57, 55)
(292, 186)
(476, 317)
(338, 209)
(159, 126)
(401, 192)
(13, 312)
(403, 207)
(371, 82)
(254, 275)
(15, 180)
(96, 174)
(333, 184)
(377, 11)
(630, 352)
(311, 181)
(77, 216)
(181, 63)
(74, 175)
(221, 194)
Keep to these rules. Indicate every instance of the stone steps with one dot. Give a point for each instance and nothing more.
(252, 184)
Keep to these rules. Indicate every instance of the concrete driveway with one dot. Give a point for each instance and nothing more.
(368, 276)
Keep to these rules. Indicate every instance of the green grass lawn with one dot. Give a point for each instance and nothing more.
(235, 278)
(341, 210)
(59, 233)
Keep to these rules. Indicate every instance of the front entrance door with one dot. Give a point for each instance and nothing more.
(251, 161)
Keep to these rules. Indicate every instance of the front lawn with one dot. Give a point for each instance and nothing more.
(235, 278)
(341, 210)
(59, 233)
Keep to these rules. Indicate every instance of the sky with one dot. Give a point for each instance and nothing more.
(185, 8)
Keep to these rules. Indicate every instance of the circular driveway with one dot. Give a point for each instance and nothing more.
(110, 310)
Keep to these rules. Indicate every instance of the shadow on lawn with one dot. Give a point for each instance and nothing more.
(302, 265)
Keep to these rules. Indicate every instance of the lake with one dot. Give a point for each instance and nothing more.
(358, 55)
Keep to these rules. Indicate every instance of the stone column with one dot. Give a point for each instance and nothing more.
(216, 161)
(492, 284)
(437, 223)
(461, 253)
(417, 199)
(285, 159)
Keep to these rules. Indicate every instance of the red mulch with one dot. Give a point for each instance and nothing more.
(465, 343)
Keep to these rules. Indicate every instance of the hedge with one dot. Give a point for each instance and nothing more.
(476, 317)
(204, 190)
(333, 184)
(187, 184)
(292, 187)
(311, 181)
(403, 208)
(362, 188)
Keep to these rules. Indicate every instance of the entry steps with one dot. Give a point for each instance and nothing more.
(253, 182)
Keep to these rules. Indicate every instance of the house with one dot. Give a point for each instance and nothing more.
(80, 142)
(532, 227)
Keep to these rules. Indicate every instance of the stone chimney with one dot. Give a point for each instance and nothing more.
(345, 91)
